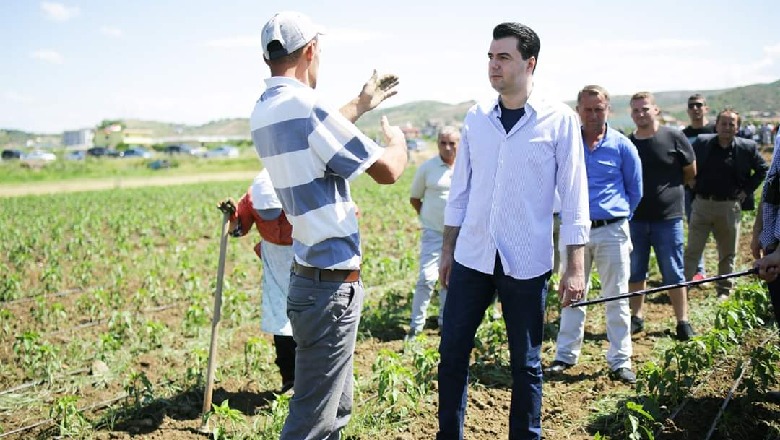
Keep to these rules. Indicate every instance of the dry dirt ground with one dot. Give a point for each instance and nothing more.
(570, 401)
(13, 190)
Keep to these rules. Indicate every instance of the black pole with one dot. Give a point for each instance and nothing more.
(752, 271)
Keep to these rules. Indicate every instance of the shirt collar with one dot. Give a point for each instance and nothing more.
(276, 81)
(440, 162)
(533, 103)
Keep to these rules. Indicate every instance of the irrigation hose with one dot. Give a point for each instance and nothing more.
(752, 271)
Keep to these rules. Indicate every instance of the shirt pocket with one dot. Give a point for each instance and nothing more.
(606, 167)
(541, 151)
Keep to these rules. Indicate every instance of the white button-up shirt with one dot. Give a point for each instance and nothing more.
(503, 187)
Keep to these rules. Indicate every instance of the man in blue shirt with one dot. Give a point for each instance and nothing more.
(614, 188)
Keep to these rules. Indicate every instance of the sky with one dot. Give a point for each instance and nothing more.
(73, 63)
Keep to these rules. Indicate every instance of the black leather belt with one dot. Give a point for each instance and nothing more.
(337, 275)
(599, 223)
(716, 198)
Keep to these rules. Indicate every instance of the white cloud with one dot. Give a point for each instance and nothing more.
(49, 56)
(111, 31)
(58, 11)
(235, 42)
(772, 51)
(347, 35)
(630, 46)
(16, 97)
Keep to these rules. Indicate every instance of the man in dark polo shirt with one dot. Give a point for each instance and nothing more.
(700, 125)
(730, 170)
(668, 162)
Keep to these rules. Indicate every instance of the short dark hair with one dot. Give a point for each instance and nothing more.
(728, 110)
(698, 97)
(528, 43)
(290, 58)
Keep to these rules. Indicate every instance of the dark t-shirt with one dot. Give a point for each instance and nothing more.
(692, 133)
(663, 158)
(509, 117)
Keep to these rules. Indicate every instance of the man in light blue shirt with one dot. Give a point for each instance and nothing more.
(515, 150)
(615, 189)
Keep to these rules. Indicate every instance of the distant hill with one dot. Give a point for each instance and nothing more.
(230, 126)
(750, 101)
(756, 101)
(417, 114)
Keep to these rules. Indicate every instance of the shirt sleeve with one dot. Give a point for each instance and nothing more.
(460, 186)
(684, 149)
(632, 174)
(344, 149)
(417, 190)
(245, 218)
(572, 183)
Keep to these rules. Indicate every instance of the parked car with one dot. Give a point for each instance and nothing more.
(137, 152)
(223, 151)
(11, 154)
(103, 152)
(76, 155)
(39, 156)
(185, 149)
(97, 151)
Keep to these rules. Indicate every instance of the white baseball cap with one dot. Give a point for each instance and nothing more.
(292, 30)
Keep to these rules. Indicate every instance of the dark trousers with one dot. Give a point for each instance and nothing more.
(285, 357)
(774, 294)
(522, 301)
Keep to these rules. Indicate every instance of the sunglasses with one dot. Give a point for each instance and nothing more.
(695, 105)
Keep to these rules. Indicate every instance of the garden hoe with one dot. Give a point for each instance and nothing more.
(752, 271)
(227, 208)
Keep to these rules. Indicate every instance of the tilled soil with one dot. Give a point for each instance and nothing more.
(570, 404)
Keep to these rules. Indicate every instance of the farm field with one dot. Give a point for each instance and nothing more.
(105, 317)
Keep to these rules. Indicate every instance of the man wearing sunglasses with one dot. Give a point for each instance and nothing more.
(700, 125)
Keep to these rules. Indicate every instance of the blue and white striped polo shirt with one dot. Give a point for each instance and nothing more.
(311, 153)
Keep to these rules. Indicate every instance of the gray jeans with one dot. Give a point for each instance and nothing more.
(324, 317)
(430, 252)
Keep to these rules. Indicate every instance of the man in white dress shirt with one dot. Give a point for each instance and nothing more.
(515, 150)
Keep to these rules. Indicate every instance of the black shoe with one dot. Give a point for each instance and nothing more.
(684, 331)
(637, 324)
(773, 396)
(624, 375)
(558, 367)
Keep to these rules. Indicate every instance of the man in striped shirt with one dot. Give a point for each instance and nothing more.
(515, 150)
(766, 239)
(311, 152)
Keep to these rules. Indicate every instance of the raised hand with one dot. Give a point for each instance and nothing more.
(377, 89)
